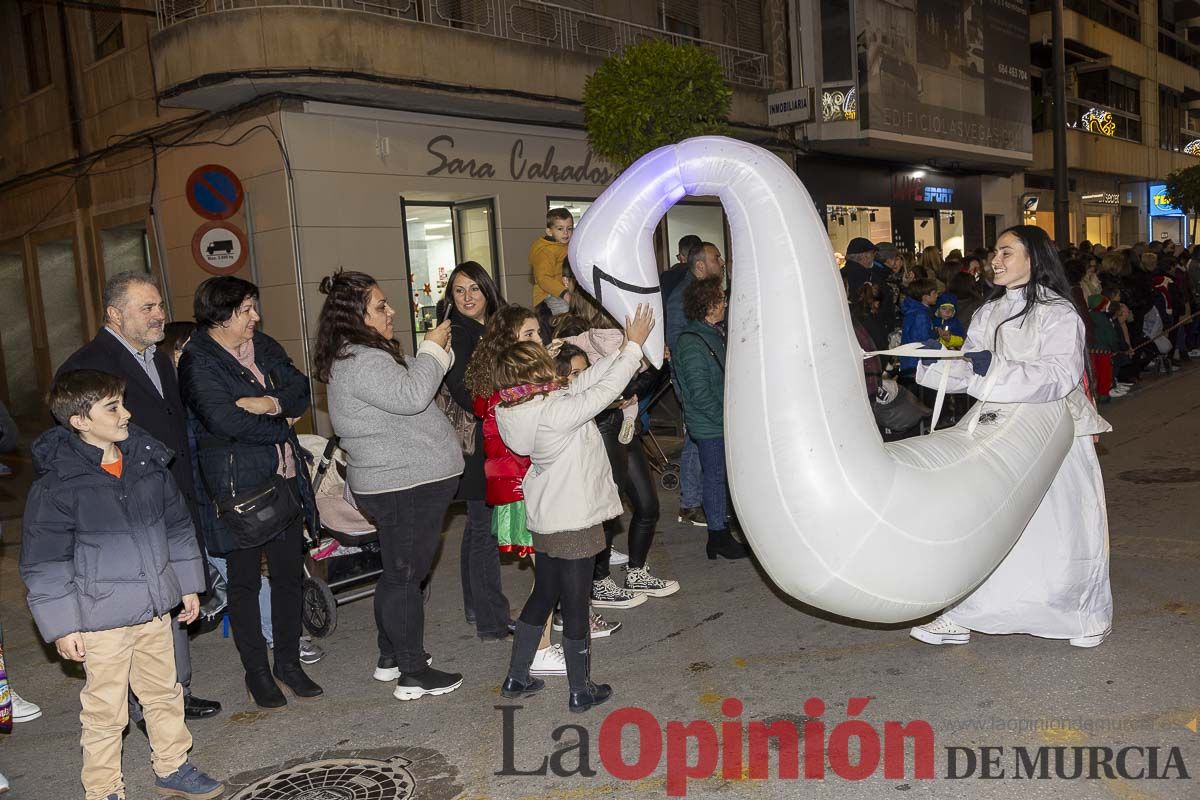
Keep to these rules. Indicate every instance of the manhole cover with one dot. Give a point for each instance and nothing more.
(1175, 475)
(336, 779)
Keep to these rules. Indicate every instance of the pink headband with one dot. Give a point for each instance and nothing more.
(514, 393)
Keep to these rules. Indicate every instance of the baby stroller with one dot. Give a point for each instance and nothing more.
(344, 553)
(668, 470)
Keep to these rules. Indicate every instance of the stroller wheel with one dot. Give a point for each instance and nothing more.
(669, 481)
(320, 608)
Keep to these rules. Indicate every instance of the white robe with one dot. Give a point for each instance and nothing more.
(1054, 581)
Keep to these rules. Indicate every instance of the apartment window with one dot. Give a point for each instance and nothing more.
(1108, 102)
(837, 49)
(1170, 118)
(682, 16)
(108, 35)
(744, 24)
(1120, 15)
(34, 43)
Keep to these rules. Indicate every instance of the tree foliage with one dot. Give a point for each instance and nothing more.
(651, 94)
(1183, 187)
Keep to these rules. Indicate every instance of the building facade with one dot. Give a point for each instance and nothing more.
(1133, 113)
(922, 118)
(195, 137)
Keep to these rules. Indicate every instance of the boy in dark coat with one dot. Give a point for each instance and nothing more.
(108, 550)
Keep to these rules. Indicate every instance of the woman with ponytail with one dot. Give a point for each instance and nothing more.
(404, 460)
(1027, 344)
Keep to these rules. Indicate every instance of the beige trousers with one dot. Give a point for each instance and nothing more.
(141, 657)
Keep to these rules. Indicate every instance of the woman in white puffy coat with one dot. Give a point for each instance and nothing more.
(1027, 345)
(569, 491)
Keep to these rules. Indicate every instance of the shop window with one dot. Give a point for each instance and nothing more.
(576, 207)
(439, 236)
(1098, 229)
(125, 249)
(698, 219)
(108, 34)
(846, 222)
(36, 46)
(16, 337)
(951, 231)
(60, 299)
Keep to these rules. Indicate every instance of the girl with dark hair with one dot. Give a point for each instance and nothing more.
(471, 299)
(404, 461)
(1027, 345)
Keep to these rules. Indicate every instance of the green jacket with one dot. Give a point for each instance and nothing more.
(701, 379)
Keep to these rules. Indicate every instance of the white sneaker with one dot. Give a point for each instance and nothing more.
(1089, 641)
(310, 651)
(549, 661)
(3, 783)
(941, 631)
(23, 710)
(1194, 353)
(1118, 391)
(606, 594)
(625, 436)
(617, 559)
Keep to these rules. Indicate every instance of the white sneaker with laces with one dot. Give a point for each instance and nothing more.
(22, 709)
(1118, 391)
(549, 661)
(640, 581)
(617, 559)
(941, 631)
(1089, 641)
(606, 594)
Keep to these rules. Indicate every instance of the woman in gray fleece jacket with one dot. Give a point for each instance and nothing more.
(404, 460)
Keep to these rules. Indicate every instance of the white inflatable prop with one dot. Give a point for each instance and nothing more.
(839, 520)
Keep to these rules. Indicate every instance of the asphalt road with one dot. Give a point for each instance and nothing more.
(726, 634)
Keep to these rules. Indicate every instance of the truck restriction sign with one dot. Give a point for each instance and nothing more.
(219, 248)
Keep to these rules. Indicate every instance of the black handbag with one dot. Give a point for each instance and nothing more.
(257, 516)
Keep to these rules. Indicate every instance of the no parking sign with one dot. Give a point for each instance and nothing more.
(214, 192)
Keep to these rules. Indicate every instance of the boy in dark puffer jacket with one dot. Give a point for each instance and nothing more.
(108, 551)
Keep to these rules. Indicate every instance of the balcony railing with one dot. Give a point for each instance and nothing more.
(1122, 17)
(1177, 47)
(529, 21)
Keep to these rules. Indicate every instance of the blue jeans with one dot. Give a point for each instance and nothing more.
(690, 466)
(264, 598)
(716, 502)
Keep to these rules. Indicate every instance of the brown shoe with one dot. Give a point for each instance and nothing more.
(695, 516)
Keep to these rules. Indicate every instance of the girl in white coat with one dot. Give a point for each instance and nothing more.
(569, 491)
(1027, 345)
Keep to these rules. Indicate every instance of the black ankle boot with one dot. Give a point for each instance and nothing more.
(721, 543)
(526, 639)
(292, 676)
(584, 693)
(263, 690)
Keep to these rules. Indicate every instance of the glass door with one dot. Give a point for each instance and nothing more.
(437, 237)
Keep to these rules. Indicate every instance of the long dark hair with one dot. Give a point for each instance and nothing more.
(475, 271)
(1045, 271)
(342, 322)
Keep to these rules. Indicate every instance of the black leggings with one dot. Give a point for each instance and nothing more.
(631, 473)
(560, 581)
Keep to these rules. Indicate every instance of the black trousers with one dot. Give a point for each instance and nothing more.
(410, 528)
(560, 581)
(479, 563)
(631, 473)
(285, 561)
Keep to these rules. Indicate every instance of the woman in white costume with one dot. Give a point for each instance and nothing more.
(1027, 345)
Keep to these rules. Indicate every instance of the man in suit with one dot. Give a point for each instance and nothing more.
(126, 346)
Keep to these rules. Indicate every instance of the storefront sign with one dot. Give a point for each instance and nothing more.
(539, 166)
(939, 194)
(790, 107)
(839, 104)
(214, 192)
(220, 248)
(1160, 203)
(1106, 198)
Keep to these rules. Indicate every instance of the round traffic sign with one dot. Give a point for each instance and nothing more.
(219, 248)
(214, 192)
